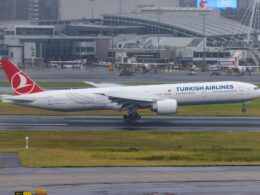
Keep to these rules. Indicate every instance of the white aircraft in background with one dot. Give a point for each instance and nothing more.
(144, 66)
(163, 99)
(234, 66)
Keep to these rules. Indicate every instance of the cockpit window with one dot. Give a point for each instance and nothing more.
(256, 88)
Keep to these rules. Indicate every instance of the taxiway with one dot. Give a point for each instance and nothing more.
(101, 74)
(134, 181)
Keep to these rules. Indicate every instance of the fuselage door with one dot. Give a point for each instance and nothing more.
(248, 91)
(50, 101)
(204, 93)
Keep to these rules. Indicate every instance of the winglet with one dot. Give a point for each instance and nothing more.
(20, 82)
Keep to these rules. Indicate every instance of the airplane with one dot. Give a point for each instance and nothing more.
(234, 66)
(146, 67)
(162, 99)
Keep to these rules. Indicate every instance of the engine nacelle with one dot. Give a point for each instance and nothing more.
(167, 106)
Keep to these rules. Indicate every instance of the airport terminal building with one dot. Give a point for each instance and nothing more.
(30, 43)
(188, 30)
(153, 35)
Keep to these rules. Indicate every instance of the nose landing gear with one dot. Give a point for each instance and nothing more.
(244, 109)
(132, 117)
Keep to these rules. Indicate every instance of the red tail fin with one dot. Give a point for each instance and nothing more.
(20, 82)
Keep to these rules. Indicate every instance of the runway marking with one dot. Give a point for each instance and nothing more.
(22, 124)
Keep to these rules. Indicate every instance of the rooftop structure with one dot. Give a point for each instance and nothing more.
(178, 21)
(181, 22)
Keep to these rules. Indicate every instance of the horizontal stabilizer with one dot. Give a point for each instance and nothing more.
(16, 99)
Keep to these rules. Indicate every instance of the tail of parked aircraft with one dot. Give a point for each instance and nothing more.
(20, 82)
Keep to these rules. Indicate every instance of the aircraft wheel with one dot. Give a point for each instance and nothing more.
(129, 118)
(126, 119)
(138, 117)
(244, 110)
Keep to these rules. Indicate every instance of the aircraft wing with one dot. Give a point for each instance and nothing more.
(16, 99)
(103, 85)
(130, 102)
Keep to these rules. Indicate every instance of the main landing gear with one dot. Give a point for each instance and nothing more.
(132, 117)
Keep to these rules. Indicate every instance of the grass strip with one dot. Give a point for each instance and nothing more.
(132, 148)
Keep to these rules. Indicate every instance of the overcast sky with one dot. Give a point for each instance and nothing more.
(75, 9)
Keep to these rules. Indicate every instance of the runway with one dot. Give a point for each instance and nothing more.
(109, 123)
(134, 181)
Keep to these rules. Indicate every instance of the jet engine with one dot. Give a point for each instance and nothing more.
(167, 106)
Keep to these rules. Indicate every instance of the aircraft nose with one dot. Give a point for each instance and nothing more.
(257, 92)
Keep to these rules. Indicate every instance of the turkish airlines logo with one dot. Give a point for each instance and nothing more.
(21, 84)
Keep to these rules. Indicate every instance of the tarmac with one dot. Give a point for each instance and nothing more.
(101, 74)
(134, 181)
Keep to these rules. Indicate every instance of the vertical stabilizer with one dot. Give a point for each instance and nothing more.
(20, 82)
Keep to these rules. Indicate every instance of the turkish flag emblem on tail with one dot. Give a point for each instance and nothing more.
(20, 82)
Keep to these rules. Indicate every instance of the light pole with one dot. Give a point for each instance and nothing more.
(6, 51)
(158, 31)
(92, 8)
(33, 55)
(112, 34)
(120, 6)
(135, 6)
(204, 39)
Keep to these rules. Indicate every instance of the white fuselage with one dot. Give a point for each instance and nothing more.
(184, 94)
